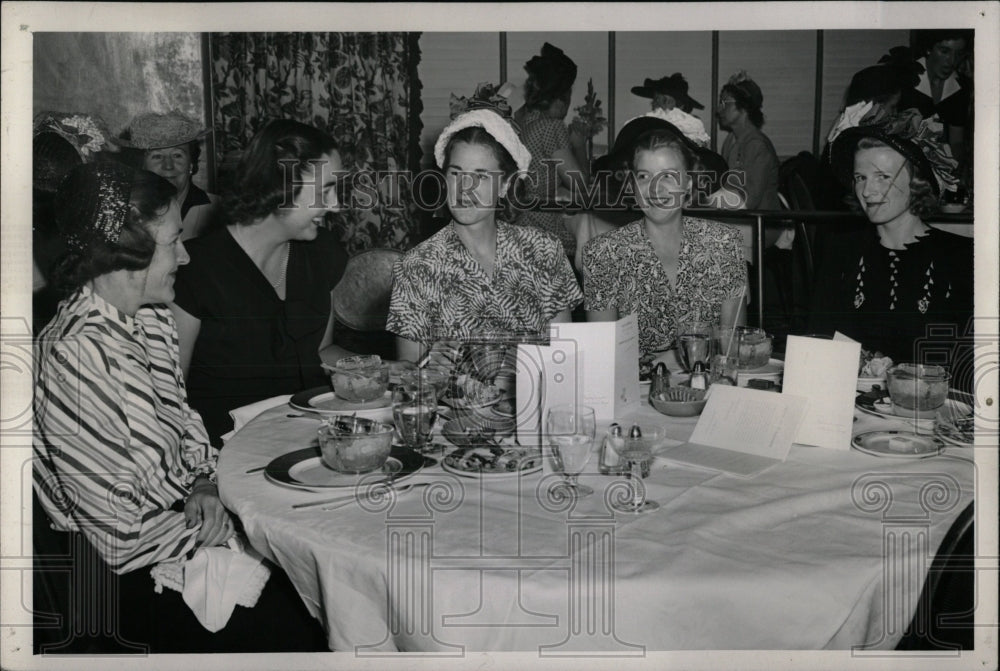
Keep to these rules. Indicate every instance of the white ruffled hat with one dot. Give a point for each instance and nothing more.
(501, 130)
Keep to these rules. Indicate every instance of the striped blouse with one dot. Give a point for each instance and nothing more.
(116, 445)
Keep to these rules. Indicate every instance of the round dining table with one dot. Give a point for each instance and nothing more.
(828, 549)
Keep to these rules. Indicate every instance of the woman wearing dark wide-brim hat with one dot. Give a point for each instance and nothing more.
(667, 93)
(899, 284)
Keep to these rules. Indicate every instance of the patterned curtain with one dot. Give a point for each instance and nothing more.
(362, 88)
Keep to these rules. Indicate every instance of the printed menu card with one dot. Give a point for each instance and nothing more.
(742, 431)
(825, 373)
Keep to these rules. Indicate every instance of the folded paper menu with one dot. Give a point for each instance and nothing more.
(607, 364)
(825, 373)
(741, 431)
(546, 375)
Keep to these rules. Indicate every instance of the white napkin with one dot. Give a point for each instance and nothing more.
(242, 415)
(215, 581)
(217, 578)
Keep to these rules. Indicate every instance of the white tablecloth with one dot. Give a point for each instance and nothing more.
(826, 550)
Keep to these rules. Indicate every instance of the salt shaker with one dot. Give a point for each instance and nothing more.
(699, 377)
(613, 443)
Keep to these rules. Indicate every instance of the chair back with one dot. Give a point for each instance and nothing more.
(944, 615)
(361, 298)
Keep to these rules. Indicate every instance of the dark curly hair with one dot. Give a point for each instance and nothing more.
(262, 183)
(744, 103)
(923, 202)
(508, 166)
(149, 198)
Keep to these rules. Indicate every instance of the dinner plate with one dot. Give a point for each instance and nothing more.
(477, 462)
(959, 434)
(896, 444)
(304, 469)
(772, 370)
(323, 401)
(956, 407)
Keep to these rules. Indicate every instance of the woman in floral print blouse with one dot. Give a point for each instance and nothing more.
(665, 268)
(899, 285)
(480, 274)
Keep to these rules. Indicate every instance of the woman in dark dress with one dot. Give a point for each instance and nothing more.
(900, 286)
(253, 306)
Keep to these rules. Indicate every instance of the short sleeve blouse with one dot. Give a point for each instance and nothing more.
(622, 271)
(440, 291)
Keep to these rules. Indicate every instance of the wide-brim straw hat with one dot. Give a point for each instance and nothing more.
(153, 130)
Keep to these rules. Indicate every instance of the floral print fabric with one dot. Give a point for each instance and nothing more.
(362, 88)
(621, 270)
(439, 291)
(544, 136)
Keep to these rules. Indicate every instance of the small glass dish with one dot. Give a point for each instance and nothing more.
(351, 444)
(359, 378)
(917, 389)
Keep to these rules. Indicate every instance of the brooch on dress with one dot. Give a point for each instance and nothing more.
(859, 294)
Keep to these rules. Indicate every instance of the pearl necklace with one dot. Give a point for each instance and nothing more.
(284, 258)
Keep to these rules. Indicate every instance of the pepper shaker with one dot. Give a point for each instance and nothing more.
(659, 379)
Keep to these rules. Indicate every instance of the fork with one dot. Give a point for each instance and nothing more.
(399, 491)
(343, 500)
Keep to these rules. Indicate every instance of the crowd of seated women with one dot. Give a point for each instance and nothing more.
(167, 323)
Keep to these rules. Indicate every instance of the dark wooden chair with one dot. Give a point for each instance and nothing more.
(944, 616)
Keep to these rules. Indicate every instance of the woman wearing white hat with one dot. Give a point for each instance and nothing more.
(170, 146)
(480, 273)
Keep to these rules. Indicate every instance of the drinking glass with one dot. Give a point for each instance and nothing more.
(694, 344)
(571, 430)
(414, 408)
(725, 369)
(637, 453)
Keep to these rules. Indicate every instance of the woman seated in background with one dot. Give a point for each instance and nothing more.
(170, 146)
(480, 274)
(890, 285)
(120, 456)
(547, 94)
(665, 268)
(253, 306)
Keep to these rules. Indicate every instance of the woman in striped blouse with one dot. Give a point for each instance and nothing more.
(120, 456)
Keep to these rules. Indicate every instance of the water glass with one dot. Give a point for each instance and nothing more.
(414, 409)
(725, 370)
(694, 344)
(571, 430)
(750, 344)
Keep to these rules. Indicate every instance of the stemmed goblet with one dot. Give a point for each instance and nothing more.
(571, 430)
(636, 453)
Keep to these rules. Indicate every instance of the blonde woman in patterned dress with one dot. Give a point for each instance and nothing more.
(665, 268)
(480, 274)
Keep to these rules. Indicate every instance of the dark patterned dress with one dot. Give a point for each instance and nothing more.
(621, 270)
(897, 301)
(543, 136)
(439, 291)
